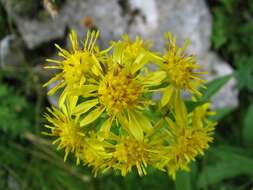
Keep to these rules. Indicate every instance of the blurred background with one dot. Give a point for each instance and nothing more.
(221, 34)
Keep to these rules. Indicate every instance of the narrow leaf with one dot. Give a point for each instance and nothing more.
(247, 131)
(213, 87)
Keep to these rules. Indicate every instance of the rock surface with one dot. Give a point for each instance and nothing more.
(184, 18)
(227, 96)
(11, 54)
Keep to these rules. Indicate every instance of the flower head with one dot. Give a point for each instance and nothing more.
(106, 115)
(66, 130)
(180, 67)
(187, 140)
(119, 91)
(183, 71)
(95, 154)
(130, 152)
(132, 49)
(76, 65)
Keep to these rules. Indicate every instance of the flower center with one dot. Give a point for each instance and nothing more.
(179, 71)
(131, 151)
(119, 91)
(69, 134)
(76, 67)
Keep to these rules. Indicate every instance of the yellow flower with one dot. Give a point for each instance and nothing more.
(66, 130)
(182, 70)
(120, 93)
(132, 49)
(105, 102)
(94, 154)
(188, 137)
(131, 153)
(76, 64)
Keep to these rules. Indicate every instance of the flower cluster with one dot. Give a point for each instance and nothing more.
(104, 113)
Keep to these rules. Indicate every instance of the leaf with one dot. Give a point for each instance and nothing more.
(247, 131)
(85, 106)
(92, 116)
(221, 113)
(183, 181)
(219, 37)
(244, 72)
(191, 105)
(230, 164)
(213, 87)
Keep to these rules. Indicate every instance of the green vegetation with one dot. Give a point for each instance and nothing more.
(232, 37)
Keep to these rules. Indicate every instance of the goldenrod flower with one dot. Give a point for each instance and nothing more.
(95, 154)
(131, 49)
(76, 65)
(103, 107)
(119, 92)
(128, 153)
(66, 130)
(182, 69)
(187, 138)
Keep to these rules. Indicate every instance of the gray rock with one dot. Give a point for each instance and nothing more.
(228, 95)
(105, 13)
(184, 18)
(35, 32)
(11, 54)
(150, 19)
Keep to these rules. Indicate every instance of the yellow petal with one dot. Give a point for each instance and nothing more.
(72, 100)
(84, 90)
(154, 78)
(52, 67)
(180, 109)
(73, 40)
(155, 58)
(62, 97)
(139, 62)
(64, 53)
(105, 128)
(55, 88)
(118, 52)
(55, 78)
(135, 126)
(92, 116)
(53, 61)
(167, 94)
(85, 106)
(143, 122)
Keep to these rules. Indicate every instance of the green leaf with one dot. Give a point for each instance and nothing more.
(213, 87)
(221, 113)
(244, 72)
(247, 131)
(229, 163)
(191, 105)
(219, 37)
(183, 181)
